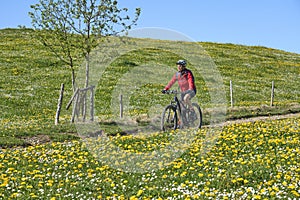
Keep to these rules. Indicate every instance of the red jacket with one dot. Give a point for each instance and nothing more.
(185, 79)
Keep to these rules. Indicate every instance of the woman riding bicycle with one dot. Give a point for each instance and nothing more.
(186, 83)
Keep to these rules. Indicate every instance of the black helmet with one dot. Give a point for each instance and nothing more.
(181, 62)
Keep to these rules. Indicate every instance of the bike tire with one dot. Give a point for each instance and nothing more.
(191, 122)
(198, 122)
(169, 119)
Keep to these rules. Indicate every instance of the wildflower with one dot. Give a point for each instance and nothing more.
(295, 193)
(133, 198)
(291, 187)
(257, 197)
(183, 174)
(140, 192)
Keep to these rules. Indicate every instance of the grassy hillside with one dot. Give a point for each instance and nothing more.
(31, 78)
(253, 68)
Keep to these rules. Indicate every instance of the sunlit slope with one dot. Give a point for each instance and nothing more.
(31, 77)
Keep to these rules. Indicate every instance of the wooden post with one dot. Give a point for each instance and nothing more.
(272, 94)
(231, 94)
(121, 106)
(72, 98)
(75, 107)
(84, 104)
(59, 104)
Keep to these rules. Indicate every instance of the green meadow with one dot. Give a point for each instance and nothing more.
(31, 78)
(251, 160)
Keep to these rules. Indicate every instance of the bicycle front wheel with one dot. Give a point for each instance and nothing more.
(169, 119)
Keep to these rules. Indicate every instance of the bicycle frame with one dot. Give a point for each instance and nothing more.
(176, 103)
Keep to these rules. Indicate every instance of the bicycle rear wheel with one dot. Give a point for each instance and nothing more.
(195, 119)
(169, 119)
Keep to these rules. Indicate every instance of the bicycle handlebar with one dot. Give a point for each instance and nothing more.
(171, 92)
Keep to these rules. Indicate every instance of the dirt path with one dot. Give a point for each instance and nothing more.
(262, 118)
(40, 139)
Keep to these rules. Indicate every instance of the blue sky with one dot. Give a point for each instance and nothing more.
(270, 23)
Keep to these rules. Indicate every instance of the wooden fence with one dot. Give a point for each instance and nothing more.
(80, 107)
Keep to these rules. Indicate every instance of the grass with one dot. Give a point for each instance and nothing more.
(31, 79)
(254, 160)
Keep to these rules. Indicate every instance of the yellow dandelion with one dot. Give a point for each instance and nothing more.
(291, 187)
(140, 192)
(295, 193)
(133, 198)
(183, 174)
(257, 197)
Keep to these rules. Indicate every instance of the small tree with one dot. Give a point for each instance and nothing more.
(72, 28)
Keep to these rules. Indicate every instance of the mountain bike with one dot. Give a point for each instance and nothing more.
(178, 115)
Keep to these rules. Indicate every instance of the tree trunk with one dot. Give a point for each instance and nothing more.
(73, 79)
(87, 66)
(60, 99)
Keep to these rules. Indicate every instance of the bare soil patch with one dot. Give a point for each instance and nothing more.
(260, 118)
